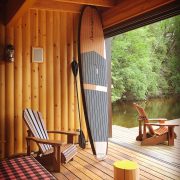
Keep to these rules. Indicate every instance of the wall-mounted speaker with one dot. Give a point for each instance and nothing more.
(37, 54)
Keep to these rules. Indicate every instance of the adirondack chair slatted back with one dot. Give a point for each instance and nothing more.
(36, 125)
(144, 117)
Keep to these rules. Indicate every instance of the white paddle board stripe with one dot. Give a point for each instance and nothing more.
(95, 87)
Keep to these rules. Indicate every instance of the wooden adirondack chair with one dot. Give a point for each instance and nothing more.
(165, 132)
(51, 152)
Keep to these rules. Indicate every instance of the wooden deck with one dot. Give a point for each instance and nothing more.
(156, 162)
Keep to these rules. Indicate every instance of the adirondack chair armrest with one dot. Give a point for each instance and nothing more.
(160, 120)
(74, 133)
(165, 124)
(70, 135)
(45, 141)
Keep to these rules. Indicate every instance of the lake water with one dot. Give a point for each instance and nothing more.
(124, 114)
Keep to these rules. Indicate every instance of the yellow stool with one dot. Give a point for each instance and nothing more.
(126, 170)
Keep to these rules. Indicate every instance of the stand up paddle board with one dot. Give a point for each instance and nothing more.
(93, 77)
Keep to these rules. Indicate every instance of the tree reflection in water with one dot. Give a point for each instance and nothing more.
(124, 114)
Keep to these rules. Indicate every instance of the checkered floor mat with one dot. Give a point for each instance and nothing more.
(23, 168)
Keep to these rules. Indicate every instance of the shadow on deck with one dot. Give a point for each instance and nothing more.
(156, 162)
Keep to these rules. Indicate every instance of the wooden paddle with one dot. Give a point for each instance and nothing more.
(81, 137)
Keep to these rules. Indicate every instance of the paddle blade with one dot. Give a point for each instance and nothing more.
(82, 140)
(74, 66)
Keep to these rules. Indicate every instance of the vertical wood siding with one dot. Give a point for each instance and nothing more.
(49, 86)
(26, 69)
(9, 98)
(2, 92)
(18, 121)
(70, 75)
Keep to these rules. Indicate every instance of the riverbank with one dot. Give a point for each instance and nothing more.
(131, 100)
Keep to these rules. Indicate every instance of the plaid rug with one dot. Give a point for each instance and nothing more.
(23, 168)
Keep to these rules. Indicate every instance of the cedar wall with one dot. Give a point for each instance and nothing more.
(48, 86)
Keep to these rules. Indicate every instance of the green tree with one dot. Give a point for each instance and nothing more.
(145, 61)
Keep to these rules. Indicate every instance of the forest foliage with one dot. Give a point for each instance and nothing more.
(146, 61)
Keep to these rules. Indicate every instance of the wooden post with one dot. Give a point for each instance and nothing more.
(18, 128)
(26, 69)
(2, 109)
(126, 170)
(9, 99)
(69, 71)
(49, 71)
(2, 92)
(108, 43)
(42, 66)
(64, 90)
(57, 80)
(34, 66)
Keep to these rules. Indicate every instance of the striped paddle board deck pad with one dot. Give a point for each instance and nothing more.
(93, 76)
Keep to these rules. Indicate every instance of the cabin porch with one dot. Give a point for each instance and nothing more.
(49, 86)
(156, 162)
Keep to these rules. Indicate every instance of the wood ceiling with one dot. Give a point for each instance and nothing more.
(71, 5)
(113, 11)
(103, 3)
(128, 9)
(16, 8)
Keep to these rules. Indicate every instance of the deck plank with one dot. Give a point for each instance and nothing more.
(155, 162)
(143, 159)
(68, 174)
(86, 168)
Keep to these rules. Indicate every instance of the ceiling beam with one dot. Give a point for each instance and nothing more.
(102, 3)
(54, 5)
(15, 9)
(127, 9)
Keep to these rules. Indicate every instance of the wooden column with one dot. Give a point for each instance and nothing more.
(42, 66)
(69, 71)
(57, 80)
(2, 109)
(108, 58)
(49, 71)
(9, 99)
(18, 128)
(64, 87)
(26, 69)
(34, 65)
(2, 91)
